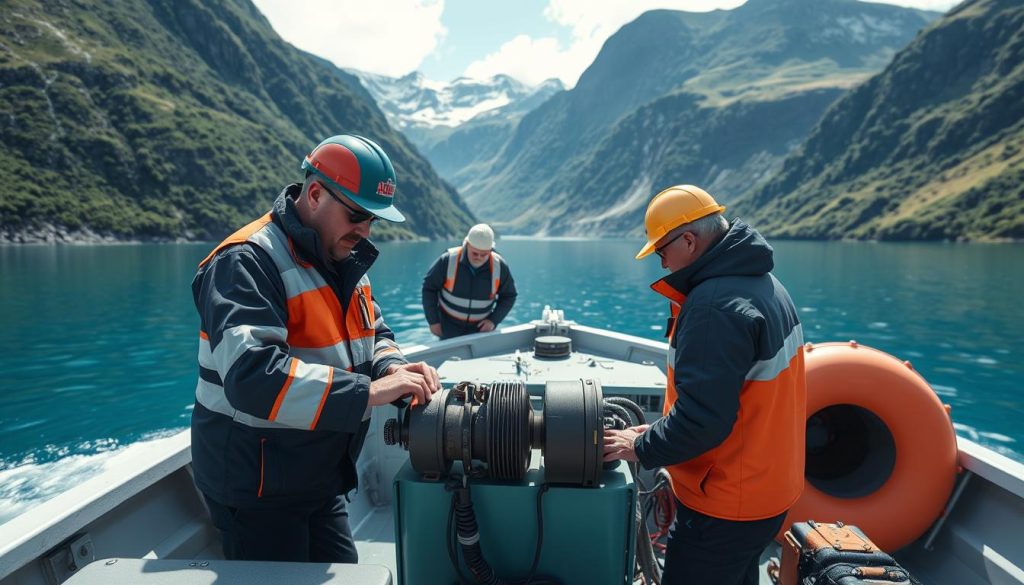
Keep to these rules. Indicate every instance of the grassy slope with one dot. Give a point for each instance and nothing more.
(175, 119)
(757, 57)
(932, 148)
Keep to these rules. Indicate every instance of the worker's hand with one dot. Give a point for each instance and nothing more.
(428, 372)
(485, 326)
(403, 381)
(436, 329)
(619, 444)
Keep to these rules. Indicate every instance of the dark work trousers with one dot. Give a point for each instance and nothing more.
(703, 550)
(316, 533)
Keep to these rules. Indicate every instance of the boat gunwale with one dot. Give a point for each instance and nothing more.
(991, 465)
(35, 532)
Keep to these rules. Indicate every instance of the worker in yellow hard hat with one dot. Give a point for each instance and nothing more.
(732, 434)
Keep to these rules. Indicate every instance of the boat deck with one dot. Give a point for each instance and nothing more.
(375, 538)
(145, 504)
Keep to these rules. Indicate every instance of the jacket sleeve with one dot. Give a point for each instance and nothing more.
(242, 311)
(433, 282)
(386, 352)
(506, 295)
(714, 351)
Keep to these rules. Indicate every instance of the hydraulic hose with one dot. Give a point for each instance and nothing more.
(628, 404)
(467, 533)
(645, 549)
(632, 415)
(469, 539)
(646, 558)
(618, 413)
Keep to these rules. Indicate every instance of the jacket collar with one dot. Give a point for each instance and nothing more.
(306, 242)
(742, 251)
(464, 259)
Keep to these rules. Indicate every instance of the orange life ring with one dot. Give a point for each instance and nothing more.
(881, 450)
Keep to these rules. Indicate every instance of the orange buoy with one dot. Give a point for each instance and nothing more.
(881, 450)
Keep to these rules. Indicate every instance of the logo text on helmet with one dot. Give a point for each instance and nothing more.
(386, 188)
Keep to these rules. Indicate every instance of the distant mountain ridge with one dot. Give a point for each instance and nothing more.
(413, 100)
(798, 54)
(425, 110)
(932, 148)
(175, 119)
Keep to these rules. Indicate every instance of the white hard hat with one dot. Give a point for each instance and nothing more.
(481, 236)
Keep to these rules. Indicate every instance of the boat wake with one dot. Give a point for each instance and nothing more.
(38, 477)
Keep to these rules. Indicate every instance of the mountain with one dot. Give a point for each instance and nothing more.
(931, 148)
(672, 139)
(426, 110)
(175, 119)
(674, 88)
(458, 152)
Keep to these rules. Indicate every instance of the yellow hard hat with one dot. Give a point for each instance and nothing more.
(672, 208)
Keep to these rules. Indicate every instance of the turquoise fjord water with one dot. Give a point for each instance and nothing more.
(99, 343)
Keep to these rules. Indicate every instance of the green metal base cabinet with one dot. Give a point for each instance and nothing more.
(588, 532)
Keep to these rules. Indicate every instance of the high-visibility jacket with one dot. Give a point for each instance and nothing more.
(732, 434)
(287, 349)
(453, 290)
(464, 308)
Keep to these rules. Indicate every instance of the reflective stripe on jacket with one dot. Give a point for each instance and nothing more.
(455, 292)
(463, 308)
(732, 437)
(288, 346)
(318, 338)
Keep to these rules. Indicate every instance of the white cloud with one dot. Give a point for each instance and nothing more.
(529, 60)
(591, 22)
(389, 37)
(936, 5)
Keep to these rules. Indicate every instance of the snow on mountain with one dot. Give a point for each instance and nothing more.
(413, 102)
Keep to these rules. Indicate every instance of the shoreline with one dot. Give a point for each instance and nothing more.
(53, 235)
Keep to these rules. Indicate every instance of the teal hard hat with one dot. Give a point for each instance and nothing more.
(360, 169)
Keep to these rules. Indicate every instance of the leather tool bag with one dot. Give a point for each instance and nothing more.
(836, 554)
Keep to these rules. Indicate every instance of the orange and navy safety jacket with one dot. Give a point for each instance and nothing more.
(459, 296)
(288, 343)
(732, 434)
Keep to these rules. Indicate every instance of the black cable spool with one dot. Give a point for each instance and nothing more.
(508, 421)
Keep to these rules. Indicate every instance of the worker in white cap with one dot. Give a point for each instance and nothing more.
(469, 289)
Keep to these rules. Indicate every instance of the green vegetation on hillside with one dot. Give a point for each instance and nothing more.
(175, 119)
(932, 148)
(677, 139)
(674, 97)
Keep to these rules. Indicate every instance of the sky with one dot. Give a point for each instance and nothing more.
(531, 40)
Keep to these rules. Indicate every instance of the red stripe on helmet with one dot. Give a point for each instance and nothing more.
(338, 164)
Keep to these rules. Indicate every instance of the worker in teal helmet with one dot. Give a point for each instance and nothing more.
(293, 353)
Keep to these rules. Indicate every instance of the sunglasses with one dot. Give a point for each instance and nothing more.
(354, 215)
(661, 251)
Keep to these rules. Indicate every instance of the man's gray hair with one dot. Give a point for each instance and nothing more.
(708, 227)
